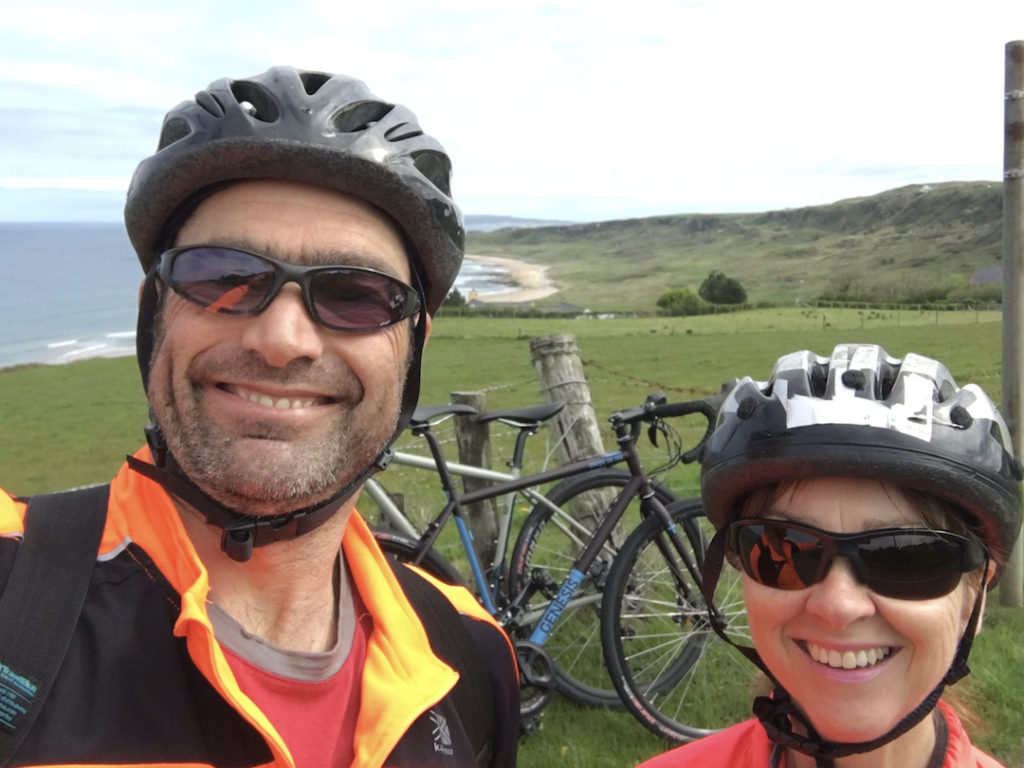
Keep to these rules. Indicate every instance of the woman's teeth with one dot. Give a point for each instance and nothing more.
(847, 659)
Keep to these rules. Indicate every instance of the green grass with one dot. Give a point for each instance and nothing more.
(69, 425)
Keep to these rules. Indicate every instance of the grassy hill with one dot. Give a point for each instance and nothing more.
(915, 243)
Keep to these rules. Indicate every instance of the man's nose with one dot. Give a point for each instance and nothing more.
(284, 331)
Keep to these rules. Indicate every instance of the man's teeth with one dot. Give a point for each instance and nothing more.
(278, 402)
(847, 659)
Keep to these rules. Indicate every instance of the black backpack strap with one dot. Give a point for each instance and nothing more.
(42, 601)
(454, 645)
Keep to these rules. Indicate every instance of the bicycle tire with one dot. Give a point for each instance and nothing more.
(579, 672)
(673, 673)
(404, 550)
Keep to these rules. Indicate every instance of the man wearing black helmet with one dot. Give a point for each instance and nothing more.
(297, 234)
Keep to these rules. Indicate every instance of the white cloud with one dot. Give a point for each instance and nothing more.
(554, 108)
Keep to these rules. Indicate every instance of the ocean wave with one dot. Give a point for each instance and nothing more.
(60, 351)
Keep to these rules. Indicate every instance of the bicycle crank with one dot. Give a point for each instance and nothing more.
(536, 673)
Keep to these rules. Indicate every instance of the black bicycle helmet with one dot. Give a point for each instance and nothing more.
(293, 125)
(862, 413)
(859, 413)
(303, 126)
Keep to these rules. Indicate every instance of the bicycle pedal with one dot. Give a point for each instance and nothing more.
(529, 724)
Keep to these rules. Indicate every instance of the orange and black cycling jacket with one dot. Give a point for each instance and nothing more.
(145, 682)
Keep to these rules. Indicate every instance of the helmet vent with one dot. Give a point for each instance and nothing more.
(403, 131)
(886, 382)
(255, 100)
(359, 116)
(436, 167)
(174, 129)
(819, 380)
(313, 81)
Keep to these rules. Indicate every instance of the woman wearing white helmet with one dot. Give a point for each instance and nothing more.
(869, 503)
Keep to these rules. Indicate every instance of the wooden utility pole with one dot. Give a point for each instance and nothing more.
(1012, 584)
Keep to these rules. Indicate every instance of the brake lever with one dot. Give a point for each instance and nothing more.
(652, 433)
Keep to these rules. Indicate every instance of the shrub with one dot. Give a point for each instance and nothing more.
(719, 289)
(680, 302)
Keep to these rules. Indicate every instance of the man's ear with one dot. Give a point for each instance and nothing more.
(427, 322)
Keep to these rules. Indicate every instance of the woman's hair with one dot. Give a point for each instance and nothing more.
(935, 513)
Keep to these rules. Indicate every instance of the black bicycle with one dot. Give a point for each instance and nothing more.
(549, 598)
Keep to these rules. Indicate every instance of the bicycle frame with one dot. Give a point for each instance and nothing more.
(507, 485)
(626, 425)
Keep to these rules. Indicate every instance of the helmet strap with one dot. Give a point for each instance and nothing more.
(242, 532)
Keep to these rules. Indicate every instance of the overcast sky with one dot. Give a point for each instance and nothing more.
(561, 109)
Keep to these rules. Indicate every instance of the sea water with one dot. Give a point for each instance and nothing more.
(67, 291)
(70, 291)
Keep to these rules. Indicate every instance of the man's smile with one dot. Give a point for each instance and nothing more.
(278, 401)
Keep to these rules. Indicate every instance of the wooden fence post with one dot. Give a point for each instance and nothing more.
(473, 440)
(1011, 588)
(560, 373)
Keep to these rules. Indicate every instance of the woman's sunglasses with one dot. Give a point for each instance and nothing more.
(903, 563)
(236, 282)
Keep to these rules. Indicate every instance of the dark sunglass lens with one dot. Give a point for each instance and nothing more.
(221, 279)
(350, 300)
(777, 556)
(910, 565)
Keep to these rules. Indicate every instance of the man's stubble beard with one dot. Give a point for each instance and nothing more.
(294, 472)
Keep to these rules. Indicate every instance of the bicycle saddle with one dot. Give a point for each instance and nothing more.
(523, 417)
(423, 414)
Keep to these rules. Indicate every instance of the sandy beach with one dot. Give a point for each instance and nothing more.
(531, 281)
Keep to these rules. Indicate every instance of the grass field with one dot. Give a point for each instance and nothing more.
(69, 425)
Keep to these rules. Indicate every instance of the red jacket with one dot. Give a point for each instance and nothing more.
(146, 683)
(746, 745)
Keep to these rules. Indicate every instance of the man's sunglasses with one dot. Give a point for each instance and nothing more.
(236, 282)
(903, 563)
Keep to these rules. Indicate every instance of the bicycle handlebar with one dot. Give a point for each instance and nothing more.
(657, 408)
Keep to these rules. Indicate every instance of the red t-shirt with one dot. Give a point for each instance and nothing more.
(317, 720)
(745, 745)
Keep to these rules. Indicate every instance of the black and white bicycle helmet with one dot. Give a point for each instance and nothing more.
(862, 413)
(293, 125)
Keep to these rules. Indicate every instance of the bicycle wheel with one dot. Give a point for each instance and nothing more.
(404, 550)
(549, 542)
(672, 671)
